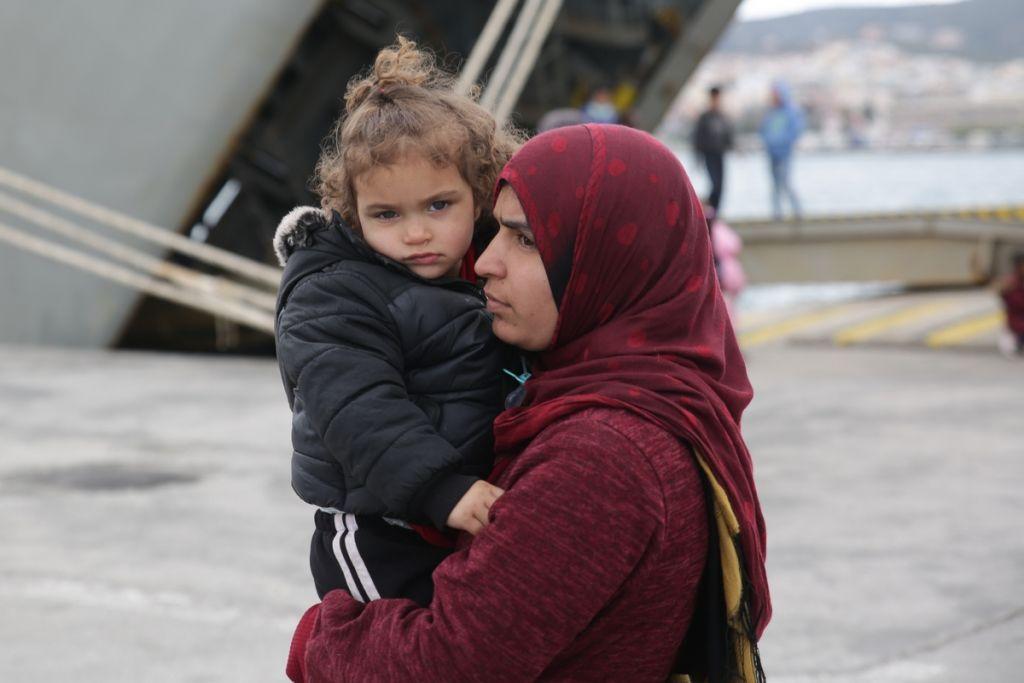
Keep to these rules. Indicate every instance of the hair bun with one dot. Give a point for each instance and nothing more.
(401, 64)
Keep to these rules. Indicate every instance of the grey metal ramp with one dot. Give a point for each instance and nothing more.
(130, 105)
(157, 110)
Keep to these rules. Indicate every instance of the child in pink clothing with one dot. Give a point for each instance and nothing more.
(727, 246)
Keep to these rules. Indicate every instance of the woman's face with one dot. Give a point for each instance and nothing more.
(518, 292)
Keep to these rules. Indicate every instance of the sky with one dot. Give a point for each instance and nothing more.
(763, 9)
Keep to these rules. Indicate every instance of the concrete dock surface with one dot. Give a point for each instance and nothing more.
(149, 532)
(966, 319)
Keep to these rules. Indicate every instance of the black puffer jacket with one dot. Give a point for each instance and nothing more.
(393, 380)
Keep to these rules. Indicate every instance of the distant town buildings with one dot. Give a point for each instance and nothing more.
(868, 93)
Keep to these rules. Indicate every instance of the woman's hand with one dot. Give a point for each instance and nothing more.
(471, 512)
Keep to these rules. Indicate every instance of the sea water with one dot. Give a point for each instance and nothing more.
(862, 182)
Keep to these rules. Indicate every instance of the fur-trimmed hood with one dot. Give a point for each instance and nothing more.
(308, 240)
(294, 230)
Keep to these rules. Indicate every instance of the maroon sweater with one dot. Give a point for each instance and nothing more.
(588, 571)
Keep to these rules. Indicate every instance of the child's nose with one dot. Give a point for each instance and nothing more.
(416, 234)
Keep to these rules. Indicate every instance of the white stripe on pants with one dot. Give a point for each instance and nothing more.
(346, 522)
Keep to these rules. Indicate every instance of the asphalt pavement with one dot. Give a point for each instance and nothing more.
(149, 532)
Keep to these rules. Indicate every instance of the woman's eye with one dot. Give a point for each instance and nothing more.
(385, 215)
(439, 205)
(524, 241)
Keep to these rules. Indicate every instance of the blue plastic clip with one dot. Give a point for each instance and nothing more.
(519, 378)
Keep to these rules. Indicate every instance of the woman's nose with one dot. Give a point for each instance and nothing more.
(490, 264)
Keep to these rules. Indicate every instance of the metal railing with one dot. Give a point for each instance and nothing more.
(244, 293)
(519, 55)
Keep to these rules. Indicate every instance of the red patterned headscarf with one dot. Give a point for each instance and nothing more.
(642, 325)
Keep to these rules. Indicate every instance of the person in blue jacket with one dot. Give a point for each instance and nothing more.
(781, 126)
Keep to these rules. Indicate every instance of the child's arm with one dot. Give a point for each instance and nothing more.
(340, 348)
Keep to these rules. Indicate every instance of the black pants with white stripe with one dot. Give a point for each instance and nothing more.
(371, 558)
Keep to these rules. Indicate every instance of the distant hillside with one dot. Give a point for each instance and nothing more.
(981, 30)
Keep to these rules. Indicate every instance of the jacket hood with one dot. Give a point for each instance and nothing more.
(782, 123)
(784, 92)
(308, 240)
(289, 231)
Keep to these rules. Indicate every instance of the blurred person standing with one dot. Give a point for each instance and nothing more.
(712, 138)
(781, 127)
(600, 108)
(1012, 292)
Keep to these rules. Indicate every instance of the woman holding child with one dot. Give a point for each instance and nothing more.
(622, 538)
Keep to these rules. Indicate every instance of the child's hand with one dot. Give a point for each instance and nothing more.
(470, 513)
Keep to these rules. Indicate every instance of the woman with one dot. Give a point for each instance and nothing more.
(602, 557)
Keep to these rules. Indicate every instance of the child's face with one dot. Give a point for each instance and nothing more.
(417, 214)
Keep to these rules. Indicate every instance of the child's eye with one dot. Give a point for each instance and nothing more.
(385, 215)
(439, 205)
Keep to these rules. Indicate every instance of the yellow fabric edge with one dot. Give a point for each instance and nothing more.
(728, 529)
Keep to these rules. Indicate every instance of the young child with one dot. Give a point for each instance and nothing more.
(387, 356)
(1012, 292)
(726, 246)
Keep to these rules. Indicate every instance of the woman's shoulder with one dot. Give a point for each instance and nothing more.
(620, 442)
(619, 428)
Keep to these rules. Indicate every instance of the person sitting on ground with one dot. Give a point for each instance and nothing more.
(629, 543)
(387, 355)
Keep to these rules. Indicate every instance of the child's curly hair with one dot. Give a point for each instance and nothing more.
(406, 103)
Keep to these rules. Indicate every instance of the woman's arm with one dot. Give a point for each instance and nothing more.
(562, 540)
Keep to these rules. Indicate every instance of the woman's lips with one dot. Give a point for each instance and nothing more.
(423, 259)
(493, 303)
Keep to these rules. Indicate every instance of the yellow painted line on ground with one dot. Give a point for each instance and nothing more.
(876, 326)
(755, 320)
(784, 328)
(965, 330)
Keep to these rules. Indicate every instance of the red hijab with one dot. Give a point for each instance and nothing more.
(642, 325)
